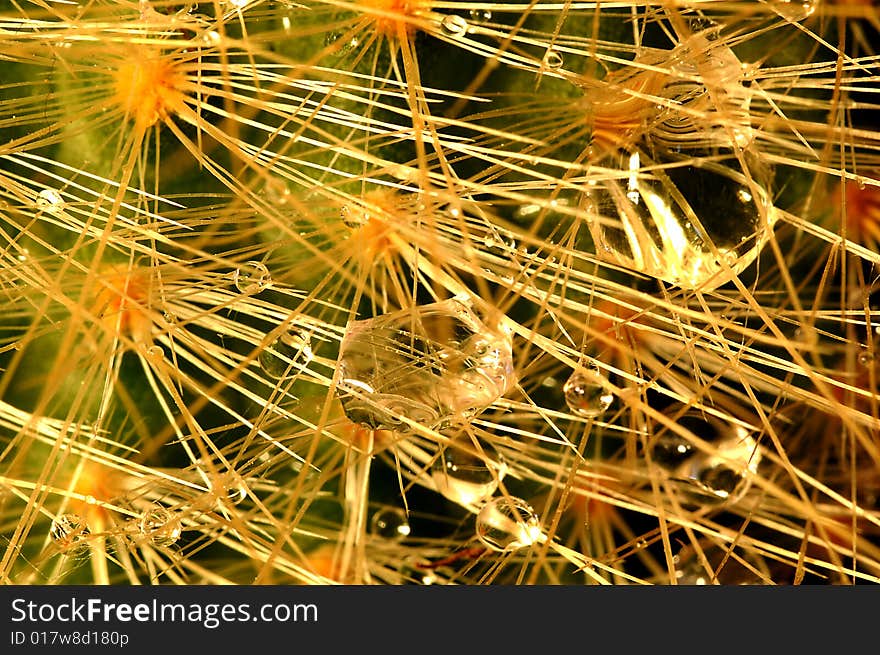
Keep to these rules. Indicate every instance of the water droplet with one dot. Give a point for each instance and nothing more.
(251, 277)
(499, 254)
(155, 353)
(725, 568)
(236, 493)
(390, 523)
(170, 319)
(70, 534)
(796, 10)
(288, 355)
(508, 523)
(865, 358)
(586, 392)
(160, 526)
(50, 200)
(655, 215)
(480, 14)
(434, 364)
(465, 476)
(277, 192)
(454, 25)
(553, 59)
(719, 474)
(353, 216)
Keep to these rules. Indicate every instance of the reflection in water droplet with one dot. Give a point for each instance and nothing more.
(433, 364)
(718, 475)
(739, 567)
(796, 10)
(70, 534)
(586, 392)
(251, 277)
(508, 523)
(50, 200)
(675, 202)
(353, 216)
(480, 14)
(288, 355)
(236, 493)
(454, 25)
(463, 475)
(160, 526)
(390, 523)
(553, 59)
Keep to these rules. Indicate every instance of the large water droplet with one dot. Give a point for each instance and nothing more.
(288, 355)
(796, 10)
(160, 526)
(508, 523)
(435, 365)
(251, 277)
(720, 474)
(390, 523)
(70, 534)
(454, 25)
(674, 201)
(465, 476)
(586, 392)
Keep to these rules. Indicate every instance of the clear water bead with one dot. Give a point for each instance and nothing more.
(676, 201)
(390, 523)
(553, 59)
(70, 534)
(50, 200)
(719, 474)
(466, 476)
(508, 523)
(159, 525)
(795, 10)
(586, 392)
(434, 365)
(454, 25)
(288, 355)
(251, 277)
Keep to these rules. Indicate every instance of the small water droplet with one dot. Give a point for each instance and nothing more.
(390, 523)
(480, 14)
(236, 493)
(288, 355)
(156, 353)
(465, 476)
(251, 277)
(70, 534)
(454, 25)
(353, 216)
(865, 358)
(160, 526)
(50, 200)
(553, 59)
(586, 392)
(508, 523)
